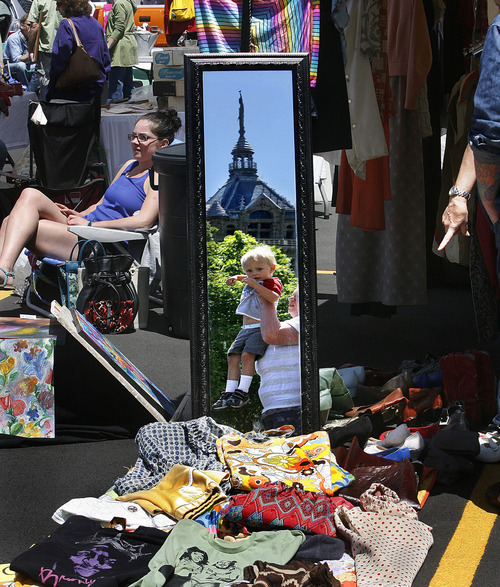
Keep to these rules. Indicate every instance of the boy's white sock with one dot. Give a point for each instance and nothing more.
(231, 385)
(245, 382)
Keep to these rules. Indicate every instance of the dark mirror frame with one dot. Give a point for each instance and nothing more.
(195, 66)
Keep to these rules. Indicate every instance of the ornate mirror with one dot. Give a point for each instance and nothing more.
(249, 183)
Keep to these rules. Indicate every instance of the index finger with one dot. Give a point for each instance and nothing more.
(447, 238)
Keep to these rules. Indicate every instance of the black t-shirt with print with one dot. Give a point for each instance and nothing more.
(80, 552)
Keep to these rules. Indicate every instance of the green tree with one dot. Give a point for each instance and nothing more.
(224, 260)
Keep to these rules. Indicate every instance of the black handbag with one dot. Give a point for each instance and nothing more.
(108, 298)
(82, 69)
(67, 275)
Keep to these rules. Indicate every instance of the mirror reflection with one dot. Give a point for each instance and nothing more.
(250, 189)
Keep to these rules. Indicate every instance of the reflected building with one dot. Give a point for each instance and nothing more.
(245, 202)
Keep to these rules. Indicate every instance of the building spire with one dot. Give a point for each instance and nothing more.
(242, 152)
(241, 117)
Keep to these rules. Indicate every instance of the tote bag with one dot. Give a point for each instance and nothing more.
(82, 69)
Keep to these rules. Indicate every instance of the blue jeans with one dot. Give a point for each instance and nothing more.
(120, 83)
(19, 72)
(280, 417)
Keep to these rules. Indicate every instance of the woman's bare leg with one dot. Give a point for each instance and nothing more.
(37, 223)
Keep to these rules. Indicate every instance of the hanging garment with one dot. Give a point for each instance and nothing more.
(389, 266)
(368, 139)
(330, 123)
(460, 108)
(290, 26)
(363, 199)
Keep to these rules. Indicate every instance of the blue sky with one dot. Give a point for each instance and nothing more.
(268, 101)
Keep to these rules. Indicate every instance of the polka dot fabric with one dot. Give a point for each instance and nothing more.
(388, 542)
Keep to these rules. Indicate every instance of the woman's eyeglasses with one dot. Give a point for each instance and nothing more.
(142, 138)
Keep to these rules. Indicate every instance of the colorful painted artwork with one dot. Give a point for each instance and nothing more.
(143, 389)
(26, 390)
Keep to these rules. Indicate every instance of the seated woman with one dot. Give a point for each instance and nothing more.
(279, 368)
(40, 225)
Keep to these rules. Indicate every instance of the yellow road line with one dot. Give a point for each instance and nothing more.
(466, 548)
(5, 293)
(323, 272)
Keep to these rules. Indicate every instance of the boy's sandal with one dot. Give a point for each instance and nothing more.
(7, 274)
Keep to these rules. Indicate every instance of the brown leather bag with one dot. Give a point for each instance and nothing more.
(395, 398)
(421, 400)
(367, 469)
(82, 69)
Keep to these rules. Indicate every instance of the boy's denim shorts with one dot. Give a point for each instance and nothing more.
(249, 340)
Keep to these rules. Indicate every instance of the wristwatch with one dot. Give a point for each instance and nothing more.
(454, 191)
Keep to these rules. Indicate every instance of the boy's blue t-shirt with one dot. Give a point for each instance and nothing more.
(250, 304)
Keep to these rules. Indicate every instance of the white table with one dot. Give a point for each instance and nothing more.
(14, 128)
(116, 124)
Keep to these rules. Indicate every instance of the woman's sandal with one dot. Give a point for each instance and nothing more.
(5, 285)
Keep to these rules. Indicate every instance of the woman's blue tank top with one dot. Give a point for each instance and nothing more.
(122, 198)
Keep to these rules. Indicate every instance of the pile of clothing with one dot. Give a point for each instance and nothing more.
(208, 505)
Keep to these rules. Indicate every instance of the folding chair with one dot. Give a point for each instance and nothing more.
(44, 281)
(62, 145)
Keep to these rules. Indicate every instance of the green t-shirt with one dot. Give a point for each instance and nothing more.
(197, 558)
(50, 22)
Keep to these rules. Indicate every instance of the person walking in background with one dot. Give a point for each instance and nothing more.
(44, 20)
(122, 48)
(91, 35)
(17, 53)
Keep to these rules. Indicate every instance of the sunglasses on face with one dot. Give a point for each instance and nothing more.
(142, 138)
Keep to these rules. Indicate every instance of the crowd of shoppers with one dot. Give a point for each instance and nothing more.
(39, 52)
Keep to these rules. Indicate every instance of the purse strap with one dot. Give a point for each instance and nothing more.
(77, 38)
(83, 244)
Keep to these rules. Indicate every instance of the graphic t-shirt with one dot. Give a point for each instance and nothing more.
(82, 553)
(193, 557)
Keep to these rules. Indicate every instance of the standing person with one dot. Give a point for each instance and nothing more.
(481, 161)
(279, 368)
(16, 51)
(122, 48)
(259, 265)
(91, 35)
(43, 11)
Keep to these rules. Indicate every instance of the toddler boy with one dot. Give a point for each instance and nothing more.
(259, 265)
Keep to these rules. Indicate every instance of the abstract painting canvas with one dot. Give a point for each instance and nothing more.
(26, 390)
(142, 388)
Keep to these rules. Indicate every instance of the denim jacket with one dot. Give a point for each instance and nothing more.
(485, 129)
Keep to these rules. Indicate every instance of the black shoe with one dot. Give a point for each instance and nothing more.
(221, 403)
(238, 399)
